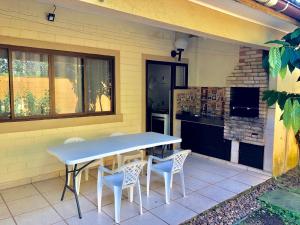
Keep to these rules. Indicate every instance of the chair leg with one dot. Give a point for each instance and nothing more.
(78, 181)
(86, 174)
(69, 177)
(99, 190)
(130, 194)
(171, 184)
(182, 182)
(167, 177)
(148, 177)
(113, 166)
(119, 160)
(140, 196)
(142, 159)
(118, 201)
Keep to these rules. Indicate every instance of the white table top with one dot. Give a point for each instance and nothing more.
(86, 151)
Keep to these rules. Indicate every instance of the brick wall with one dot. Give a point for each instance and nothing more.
(247, 73)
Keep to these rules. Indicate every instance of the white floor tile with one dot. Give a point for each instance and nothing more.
(191, 183)
(216, 193)
(4, 213)
(174, 213)
(176, 191)
(8, 221)
(233, 186)
(51, 185)
(145, 219)
(248, 179)
(107, 197)
(60, 223)
(45, 216)
(92, 217)
(68, 209)
(197, 202)
(204, 176)
(154, 200)
(19, 192)
(28, 204)
(259, 175)
(54, 196)
(128, 210)
(88, 186)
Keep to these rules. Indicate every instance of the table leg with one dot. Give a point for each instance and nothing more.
(75, 190)
(75, 172)
(66, 183)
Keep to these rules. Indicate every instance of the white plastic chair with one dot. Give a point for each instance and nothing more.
(125, 177)
(127, 157)
(86, 170)
(167, 167)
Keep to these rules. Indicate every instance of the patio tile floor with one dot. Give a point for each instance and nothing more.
(208, 182)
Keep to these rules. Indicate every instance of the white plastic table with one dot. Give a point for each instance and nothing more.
(84, 153)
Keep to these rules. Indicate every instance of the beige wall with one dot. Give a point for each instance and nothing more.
(23, 154)
(211, 62)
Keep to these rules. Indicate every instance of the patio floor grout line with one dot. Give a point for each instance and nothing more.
(158, 217)
(8, 209)
(48, 202)
(21, 197)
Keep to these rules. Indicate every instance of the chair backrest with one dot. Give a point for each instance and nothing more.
(116, 134)
(178, 159)
(73, 140)
(131, 172)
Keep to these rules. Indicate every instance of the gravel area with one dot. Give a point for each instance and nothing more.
(233, 210)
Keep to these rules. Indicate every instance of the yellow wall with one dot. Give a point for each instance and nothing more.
(23, 154)
(285, 150)
(186, 16)
(211, 61)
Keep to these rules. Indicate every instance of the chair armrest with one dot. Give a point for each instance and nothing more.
(151, 158)
(104, 169)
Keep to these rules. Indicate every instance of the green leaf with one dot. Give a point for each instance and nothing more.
(295, 58)
(291, 67)
(295, 116)
(293, 38)
(271, 97)
(285, 56)
(287, 112)
(279, 42)
(282, 72)
(265, 61)
(282, 97)
(275, 61)
(295, 33)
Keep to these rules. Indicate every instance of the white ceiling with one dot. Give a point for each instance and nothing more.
(242, 11)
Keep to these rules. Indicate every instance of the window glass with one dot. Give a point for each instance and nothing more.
(68, 84)
(99, 85)
(4, 85)
(180, 76)
(30, 84)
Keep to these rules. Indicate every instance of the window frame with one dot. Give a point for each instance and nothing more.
(51, 74)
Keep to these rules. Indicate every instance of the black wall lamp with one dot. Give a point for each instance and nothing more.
(51, 16)
(180, 45)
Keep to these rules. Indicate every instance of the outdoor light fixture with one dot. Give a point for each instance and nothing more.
(180, 45)
(51, 16)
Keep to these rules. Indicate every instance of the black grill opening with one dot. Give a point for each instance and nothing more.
(244, 102)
